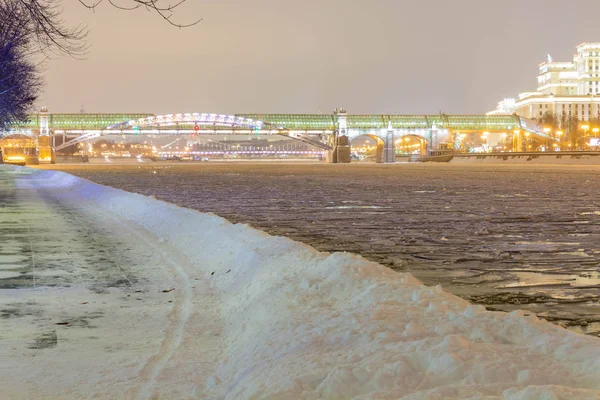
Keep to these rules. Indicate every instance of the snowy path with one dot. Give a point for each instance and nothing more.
(90, 302)
(140, 299)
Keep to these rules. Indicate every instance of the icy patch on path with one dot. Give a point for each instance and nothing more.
(304, 324)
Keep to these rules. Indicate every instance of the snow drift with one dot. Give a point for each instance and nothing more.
(303, 324)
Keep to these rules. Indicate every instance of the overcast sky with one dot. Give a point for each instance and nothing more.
(311, 56)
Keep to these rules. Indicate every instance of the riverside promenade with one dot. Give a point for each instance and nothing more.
(90, 306)
(106, 294)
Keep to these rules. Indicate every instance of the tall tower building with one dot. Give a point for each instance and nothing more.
(564, 88)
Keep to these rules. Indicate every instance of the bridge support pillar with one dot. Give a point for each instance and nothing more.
(389, 149)
(45, 148)
(341, 151)
(432, 143)
(32, 160)
(380, 152)
(329, 156)
(517, 144)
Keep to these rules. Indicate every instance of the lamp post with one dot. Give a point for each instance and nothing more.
(595, 130)
(547, 131)
(585, 128)
(558, 139)
(484, 136)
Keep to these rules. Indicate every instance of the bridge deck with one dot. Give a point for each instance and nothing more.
(300, 122)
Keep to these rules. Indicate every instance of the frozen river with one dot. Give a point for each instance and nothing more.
(508, 237)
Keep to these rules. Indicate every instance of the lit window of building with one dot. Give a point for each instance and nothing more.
(561, 84)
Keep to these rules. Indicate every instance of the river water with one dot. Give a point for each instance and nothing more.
(506, 236)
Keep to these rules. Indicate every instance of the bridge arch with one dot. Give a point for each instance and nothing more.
(16, 147)
(17, 140)
(405, 142)
(192, 124)
(180, 124)
(410, 143)
(379, 144)
(191, 119)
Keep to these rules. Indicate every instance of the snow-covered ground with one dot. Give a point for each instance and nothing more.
(504, 236)
(137, 298)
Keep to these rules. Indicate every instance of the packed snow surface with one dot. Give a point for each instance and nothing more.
(253, 316)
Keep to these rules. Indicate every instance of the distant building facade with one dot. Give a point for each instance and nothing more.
(565, 89)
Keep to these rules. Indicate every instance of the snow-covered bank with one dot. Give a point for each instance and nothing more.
(302, 324)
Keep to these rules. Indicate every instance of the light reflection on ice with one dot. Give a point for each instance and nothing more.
(579, 253)
(350, 207)
(531, 279)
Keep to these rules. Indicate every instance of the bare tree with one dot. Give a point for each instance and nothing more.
(19, 80)
(29, 28)
(51, 34)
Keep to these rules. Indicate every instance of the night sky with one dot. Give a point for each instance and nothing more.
(311, 56)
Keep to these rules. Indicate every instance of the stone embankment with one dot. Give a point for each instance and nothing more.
(583, 158)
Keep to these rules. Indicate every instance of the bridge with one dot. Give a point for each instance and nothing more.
(330, 132)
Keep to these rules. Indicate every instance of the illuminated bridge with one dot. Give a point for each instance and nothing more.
(330, 132)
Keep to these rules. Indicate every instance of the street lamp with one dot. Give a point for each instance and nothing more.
(585, 128)
(484, 136)
(547, 131)
(558, 139)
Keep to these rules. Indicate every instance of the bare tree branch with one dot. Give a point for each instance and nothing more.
(35, 27)
(166, 12)
(53, 36)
